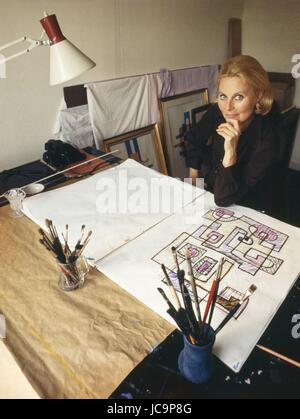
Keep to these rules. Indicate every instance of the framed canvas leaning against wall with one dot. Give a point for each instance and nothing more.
(176, 114)
(143, 145)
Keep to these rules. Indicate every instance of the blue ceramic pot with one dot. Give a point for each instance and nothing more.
(196, 363)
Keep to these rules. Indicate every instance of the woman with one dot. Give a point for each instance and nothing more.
(236, 143)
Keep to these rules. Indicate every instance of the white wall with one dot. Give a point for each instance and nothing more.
(271, 33)
(123, 37)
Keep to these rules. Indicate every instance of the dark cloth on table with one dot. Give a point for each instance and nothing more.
(249, 181)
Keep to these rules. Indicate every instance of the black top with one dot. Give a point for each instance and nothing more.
(257, 152)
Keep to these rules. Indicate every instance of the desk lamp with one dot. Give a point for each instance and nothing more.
(66, 60)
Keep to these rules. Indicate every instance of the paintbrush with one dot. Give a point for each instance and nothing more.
(56, 242)
(46, 237)
(215, 296)
(50, 228)
(188, 304)
(161, 291)
(171, 286)
(178, 316)
(78, 245)
(80, 238)
(67, 234)
(87, 238)
(79, 248)
(67, 250)
(194, 287)
(232, 312)
(44, 243)
(208, 304)
(175, 257)
(82, 233)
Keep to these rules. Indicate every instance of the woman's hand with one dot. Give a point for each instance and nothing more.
(231, 132)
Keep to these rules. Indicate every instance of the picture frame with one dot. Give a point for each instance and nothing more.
(176, 120)
(143, 145)
(197, 113)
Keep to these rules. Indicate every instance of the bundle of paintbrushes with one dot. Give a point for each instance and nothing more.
(60, 250)
(194, 326)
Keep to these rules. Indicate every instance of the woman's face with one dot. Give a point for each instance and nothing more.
(236, 99)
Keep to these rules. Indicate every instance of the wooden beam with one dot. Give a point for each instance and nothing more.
(234, 37)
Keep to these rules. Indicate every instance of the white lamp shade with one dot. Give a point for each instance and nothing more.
(67, 62)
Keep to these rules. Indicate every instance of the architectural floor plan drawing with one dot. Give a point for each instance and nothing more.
(258, 250)
(244, 242)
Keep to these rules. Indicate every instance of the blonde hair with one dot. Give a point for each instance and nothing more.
(254, 74)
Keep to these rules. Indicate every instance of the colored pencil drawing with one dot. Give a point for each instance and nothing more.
(244, 242)
(229, 298)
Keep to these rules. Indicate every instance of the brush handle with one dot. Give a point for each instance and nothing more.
(213, 304)
(189, 312)
(189, 309)
(216, 290)
(161, 291)
(194, 287)
(184, 323)
(228, 317)
(209, 301)
(171, 286)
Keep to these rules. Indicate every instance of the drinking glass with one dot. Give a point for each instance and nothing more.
(15, 198)
(72, 275)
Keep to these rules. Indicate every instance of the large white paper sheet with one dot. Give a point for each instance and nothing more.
(258, 249)
(117, 205)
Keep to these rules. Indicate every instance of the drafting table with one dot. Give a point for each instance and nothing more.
(84, 344)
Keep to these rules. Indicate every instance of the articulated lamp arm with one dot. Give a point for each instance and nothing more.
(66, 61)
(33, 43)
